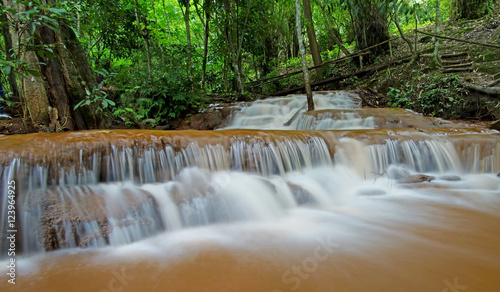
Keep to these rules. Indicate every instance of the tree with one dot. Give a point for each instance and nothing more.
(302, 50)
(205, 20)
(369, 22)
(185, 6)
(436, 40)
(141, 20)
(54, 67)
(234, 33)
(9, 54)
(311, 34)
(470, 9)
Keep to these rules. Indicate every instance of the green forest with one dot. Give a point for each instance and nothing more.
(74, 65)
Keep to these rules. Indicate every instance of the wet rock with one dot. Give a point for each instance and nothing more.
(371, 192)
(397, 172)
(301, 196)
(493, 25)
(417, 178)
(450, 178)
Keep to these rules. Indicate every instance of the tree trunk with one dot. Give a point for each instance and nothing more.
(50, 98)
(186, 4)
(332, 33)
(469, 9)
(78, 75)
(56, 86)
(302, 50)
(205, 44)
(436, 40)
(401, 33)
(311, 34)
(145, 35)
(235, 51)
(33, 93)
(9, 51)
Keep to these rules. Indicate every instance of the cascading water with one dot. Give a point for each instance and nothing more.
(254, 210)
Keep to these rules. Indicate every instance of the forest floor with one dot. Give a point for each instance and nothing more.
(422, 85)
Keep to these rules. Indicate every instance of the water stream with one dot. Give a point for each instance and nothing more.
(280, 200)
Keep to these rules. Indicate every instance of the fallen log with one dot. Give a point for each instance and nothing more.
(496, 82)
(458, 65)
(460, 40)
(342, 77)
(454, 55)
(454, 70)
(483, 89)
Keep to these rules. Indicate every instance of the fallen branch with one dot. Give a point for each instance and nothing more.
(493, 83)
(342, 77)
(454, 70)
(459, 40)
(458, 65)
(455, 55)
(483, 89)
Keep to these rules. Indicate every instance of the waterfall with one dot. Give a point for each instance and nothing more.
(174, 196)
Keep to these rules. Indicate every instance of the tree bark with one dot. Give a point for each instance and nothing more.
(56, 86)
(50, 97)
(9, 51)
(311, 34)
(145, 35)
(436, 40)
(186, 13)
(332, 33)
(206, 26)
(307, 80)
(234, 40)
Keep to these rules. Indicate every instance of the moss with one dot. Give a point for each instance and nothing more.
(489, 57)
(466, 30)
(490, 68)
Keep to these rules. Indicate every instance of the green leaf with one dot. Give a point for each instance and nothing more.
(6, 69)
(32, 28)
(78, 104)
(57, 11)
(33, 72)
(111, 102)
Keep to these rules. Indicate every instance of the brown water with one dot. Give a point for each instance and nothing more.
(253, 210)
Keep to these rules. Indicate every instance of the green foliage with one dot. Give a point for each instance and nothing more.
(434, 95)
(96, 99)
(26, 24)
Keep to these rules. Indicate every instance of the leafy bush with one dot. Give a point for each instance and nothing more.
(432, 95)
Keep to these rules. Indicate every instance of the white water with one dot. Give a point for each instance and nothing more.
(276, 113)
(267, 201)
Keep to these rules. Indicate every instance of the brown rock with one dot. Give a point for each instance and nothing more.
(450, 178)
(417, 178)
(207, 121)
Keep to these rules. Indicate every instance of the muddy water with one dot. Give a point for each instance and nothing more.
(406, 240)
(255, 210)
